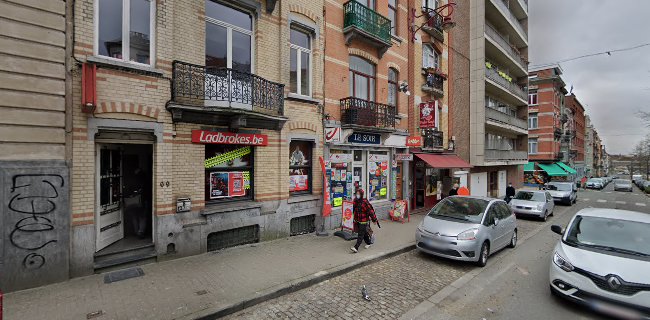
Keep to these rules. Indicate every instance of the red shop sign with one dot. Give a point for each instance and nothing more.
(210, 137)
(428, 114)
(414, 141)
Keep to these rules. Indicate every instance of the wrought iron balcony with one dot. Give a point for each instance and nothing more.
(365, 24)
(226, 92)
(432, 139)
(363, 113)
(434, 27)
(434, 85)
(508, 86)
(557, 133)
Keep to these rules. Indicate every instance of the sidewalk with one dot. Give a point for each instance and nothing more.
(209, 284)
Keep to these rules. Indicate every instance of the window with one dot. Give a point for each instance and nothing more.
(430, 57)
(300, 73)
(392, 16)
(532, 121)
(377, 175)
(228, 37)
(300, 164)
(429, 4)
(532, 98)
(497, 142)
(368, 3)
(362, 79)
(392, 87)
(532, 145)
(228, 172)
(124, 29)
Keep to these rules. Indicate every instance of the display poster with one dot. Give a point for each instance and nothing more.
(427, 115)
(378, 177)
(339, 185)
(227, 184)
(298, 183)
(327, 204)
(347, 220)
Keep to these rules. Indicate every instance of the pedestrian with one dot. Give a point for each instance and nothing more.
(454, 190)
(583, 182)
(363, 214)
(510, 192)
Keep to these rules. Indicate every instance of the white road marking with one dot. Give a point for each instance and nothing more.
(640, 204)
(621, 202)
(586, 199)
(602, 200)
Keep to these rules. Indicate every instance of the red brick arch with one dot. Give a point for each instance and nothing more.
(304, 11)
(303, 125)
(127, 107)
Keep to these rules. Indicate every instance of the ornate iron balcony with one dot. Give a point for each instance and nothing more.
(359, 112)
(432, 139)
(434, 84)
(211, 87)
(366, 24)
(434, 27)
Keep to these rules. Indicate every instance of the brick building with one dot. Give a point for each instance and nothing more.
(498, 52)
(206, 127)
(577, 144)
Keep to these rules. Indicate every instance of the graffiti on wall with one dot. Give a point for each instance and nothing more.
(34, 197)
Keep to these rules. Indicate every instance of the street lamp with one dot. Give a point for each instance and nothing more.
(447, 22)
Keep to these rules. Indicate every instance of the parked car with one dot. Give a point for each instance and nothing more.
(639, 182)
(595, 183)
(538, 204)
(467, 228)
(563, 192)
(622, 184)
(602, 260)
(646, 185)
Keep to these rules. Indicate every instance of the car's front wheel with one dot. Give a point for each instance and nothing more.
(513, 240)
(483, 256)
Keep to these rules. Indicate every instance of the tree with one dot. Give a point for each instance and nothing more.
(641, 157)
(645, 116)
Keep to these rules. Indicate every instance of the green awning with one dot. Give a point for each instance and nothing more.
(529, 166)
(566, 168)
(553, 169)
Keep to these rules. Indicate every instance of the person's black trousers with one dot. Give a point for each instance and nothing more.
(362, 231)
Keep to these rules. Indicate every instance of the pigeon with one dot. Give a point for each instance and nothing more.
(364, 293)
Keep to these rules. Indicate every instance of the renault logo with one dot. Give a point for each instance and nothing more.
(437, 234)
(614, 282)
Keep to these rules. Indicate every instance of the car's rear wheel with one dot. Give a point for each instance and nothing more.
(545, 216)
(483, 256)
(513, 240)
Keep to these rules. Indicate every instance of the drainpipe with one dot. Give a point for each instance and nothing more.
(69, 64)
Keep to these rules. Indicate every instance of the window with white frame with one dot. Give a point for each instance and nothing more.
(532, 121)
(532, 145)
(430, 57)
(300, 71)
(392, 16)
(532, 98)
(124, 30)
(228, 37)
(392, 87)
(497, 142)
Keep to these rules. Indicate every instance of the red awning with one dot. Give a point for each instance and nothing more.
(443, 160)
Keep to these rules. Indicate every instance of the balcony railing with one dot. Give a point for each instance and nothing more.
(211, 87)
(355, 111)
(505, 155)
(512, 52)
(505, 118)
(367, 20)
(510, 16)
(432, 139)
(434, 84)
(507, 85)
(434, 26)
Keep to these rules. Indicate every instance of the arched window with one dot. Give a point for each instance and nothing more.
(392, 87)
(362, 79)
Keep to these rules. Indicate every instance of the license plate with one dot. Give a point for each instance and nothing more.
(614, 310)
(435, 243)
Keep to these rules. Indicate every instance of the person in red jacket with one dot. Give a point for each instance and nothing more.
(363, 214)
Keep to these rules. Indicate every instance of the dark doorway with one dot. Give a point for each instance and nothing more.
(137, 191)
(420, 184)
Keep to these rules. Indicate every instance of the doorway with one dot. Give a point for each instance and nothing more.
(124, 196)
(420, 184)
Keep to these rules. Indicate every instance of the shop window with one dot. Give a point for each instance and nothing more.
(378, 169)
(124, 29)
(228, 172)
(340, 175)
(300, 167)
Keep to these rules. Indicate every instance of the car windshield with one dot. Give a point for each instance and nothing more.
(530, 196)
(460, 208)
(624, 236)
(595, 180)
(559, 186)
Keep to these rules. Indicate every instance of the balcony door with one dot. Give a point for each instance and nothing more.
(228, 56)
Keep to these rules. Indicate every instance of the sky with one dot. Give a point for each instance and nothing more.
(611, 88)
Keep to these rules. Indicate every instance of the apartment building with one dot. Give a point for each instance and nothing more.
(589, 147)
(576, 145)
(34, 139)
(498, 114)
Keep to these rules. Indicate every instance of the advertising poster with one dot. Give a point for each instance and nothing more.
(427, 115)
(347, 221)
(327, 206)
(236, 184)
(218, 185)
(298, 183)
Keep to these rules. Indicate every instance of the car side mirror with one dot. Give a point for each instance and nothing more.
(557, 229)
(496, 221)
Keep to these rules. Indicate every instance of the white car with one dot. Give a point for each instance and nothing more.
(603, 260)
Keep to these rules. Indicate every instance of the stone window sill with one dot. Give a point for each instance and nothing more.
(301, 98)
(303, 198)
(124, 65)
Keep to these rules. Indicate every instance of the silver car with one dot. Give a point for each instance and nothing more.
(538, 204)
(563, 192)
(602, 261)
(467, 229)
(595, 183)
(622, 184)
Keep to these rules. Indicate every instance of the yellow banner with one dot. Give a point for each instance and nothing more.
(225, 157)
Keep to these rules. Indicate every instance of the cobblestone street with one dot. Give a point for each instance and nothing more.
(395, 286)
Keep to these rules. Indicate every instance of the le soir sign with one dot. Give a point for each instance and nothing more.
(366, 138)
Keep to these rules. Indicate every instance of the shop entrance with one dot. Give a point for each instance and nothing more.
(420, 183)
(124, 196)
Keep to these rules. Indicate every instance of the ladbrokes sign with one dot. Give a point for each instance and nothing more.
(209, 137)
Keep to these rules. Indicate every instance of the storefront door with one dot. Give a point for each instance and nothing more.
(420, 184)
(110, 215)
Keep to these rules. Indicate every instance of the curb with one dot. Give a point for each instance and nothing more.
(294, 285)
